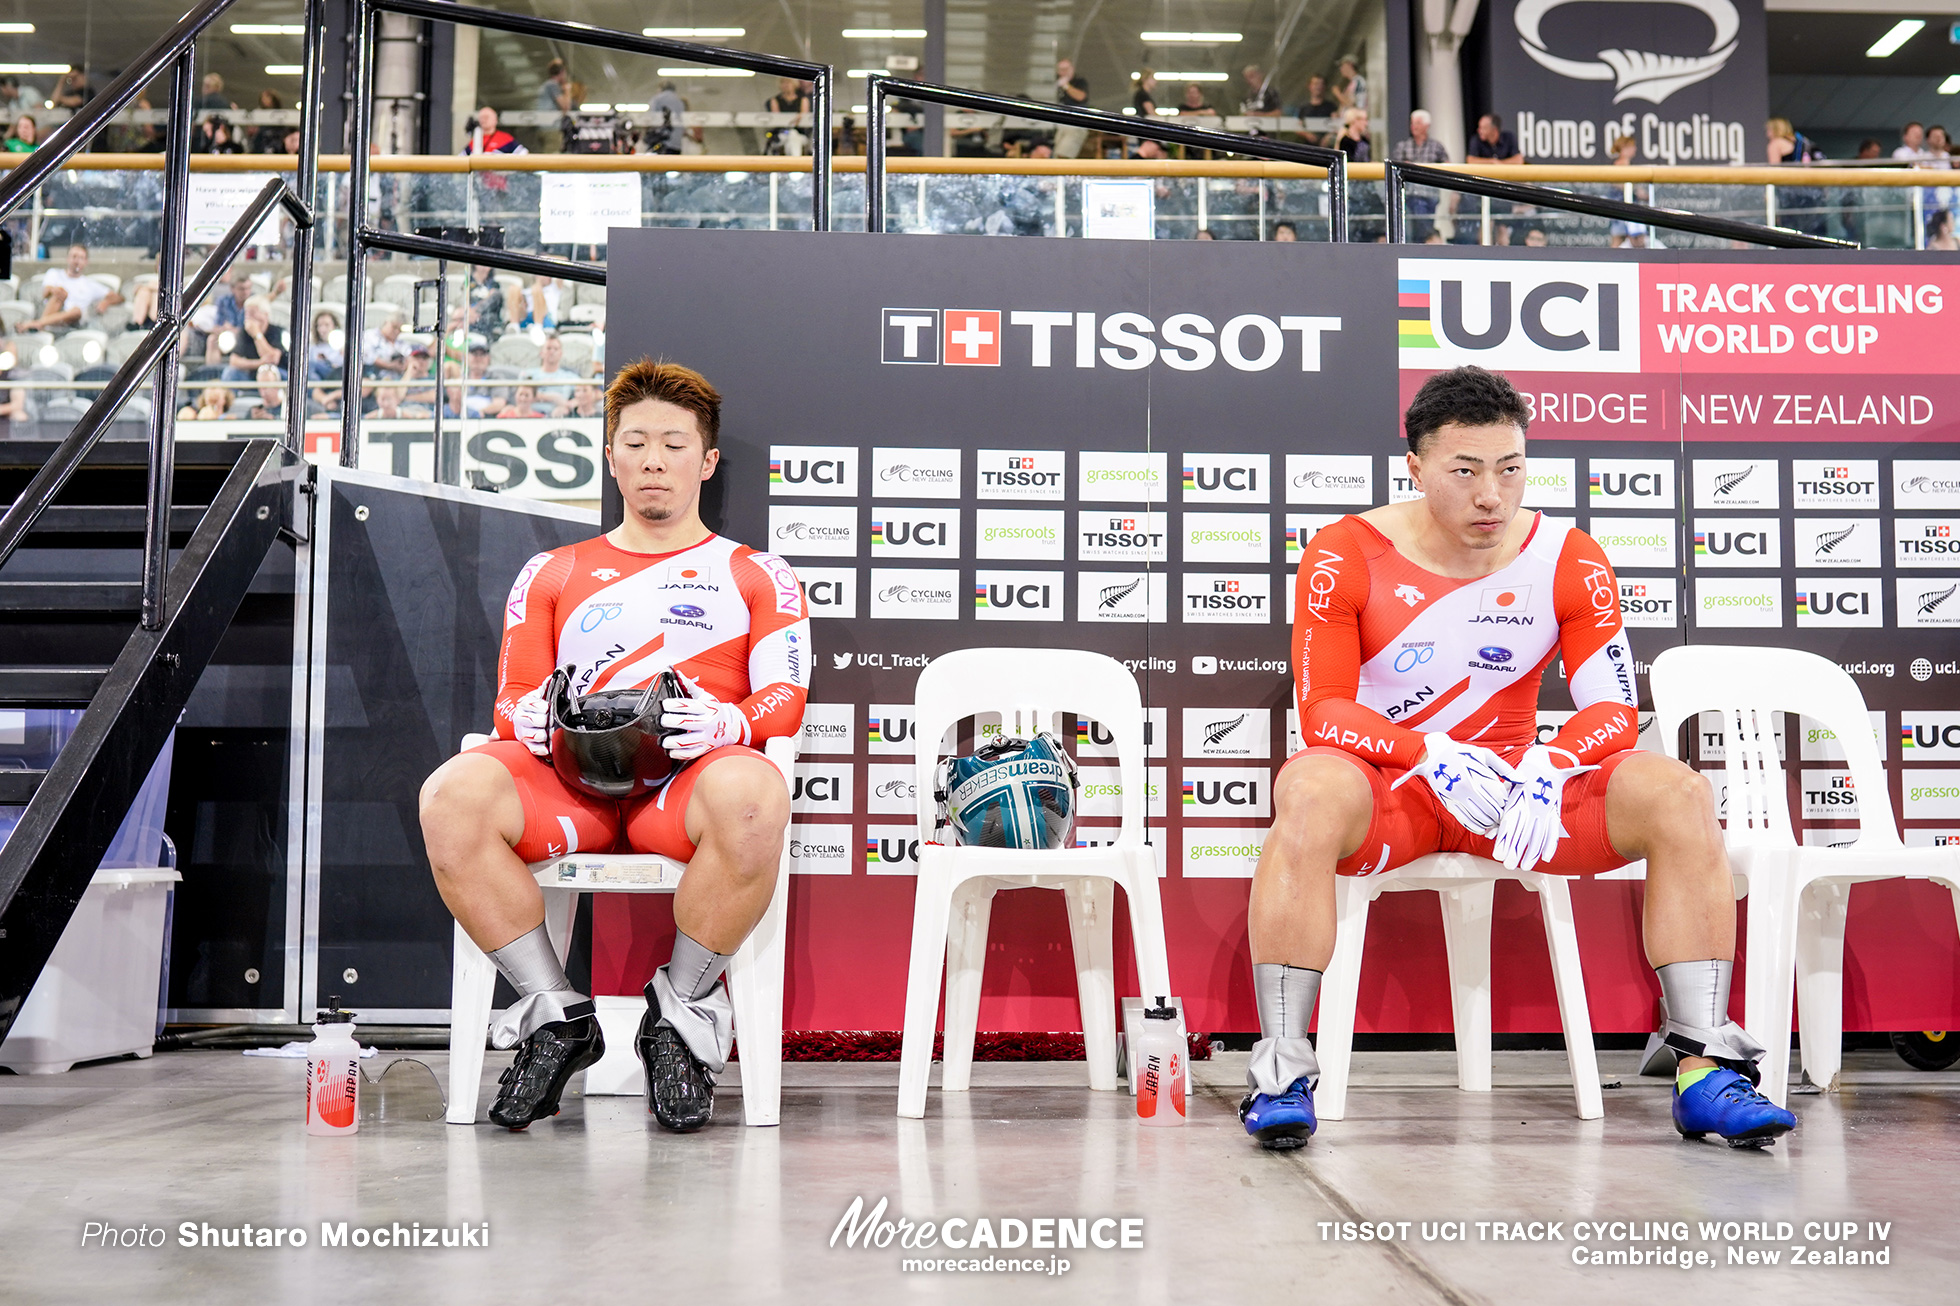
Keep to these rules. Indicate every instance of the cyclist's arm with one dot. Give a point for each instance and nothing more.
(530, 647)
(779, 646)
(1593, 643)
(1330, 591)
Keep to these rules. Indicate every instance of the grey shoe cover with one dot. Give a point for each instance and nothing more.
(1277, 1062)
(1730, 1042)
(527, 1015)
(706, 1024)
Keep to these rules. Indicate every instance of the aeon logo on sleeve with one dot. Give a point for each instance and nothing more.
(1536, 317)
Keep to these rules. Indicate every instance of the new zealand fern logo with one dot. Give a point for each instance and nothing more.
(1829, 540)
(1635, 74)
(1115, 594)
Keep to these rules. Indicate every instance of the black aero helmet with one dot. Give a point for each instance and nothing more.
(610, 744)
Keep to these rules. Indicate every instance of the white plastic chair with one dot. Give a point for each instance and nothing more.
(755, 977)
(1465, 886)
(953, 900)
(1797, 895)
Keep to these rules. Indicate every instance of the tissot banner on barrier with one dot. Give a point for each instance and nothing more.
(1128, 447)
(1687, 79)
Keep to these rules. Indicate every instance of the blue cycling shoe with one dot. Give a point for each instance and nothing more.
(1727, 1104)
(1281, 1121)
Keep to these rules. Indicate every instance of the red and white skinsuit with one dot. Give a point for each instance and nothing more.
(1385, 652)
(729, 618)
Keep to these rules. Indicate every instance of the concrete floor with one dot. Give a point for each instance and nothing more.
(599, 1205)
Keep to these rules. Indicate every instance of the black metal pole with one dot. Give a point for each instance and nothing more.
(1398, 219)
(299, 331)
(820, 150)
(874, 154)
(170, 309)
(504, 260)
(449, 458)
(1337, 200)
(357, 176)
(933, 141)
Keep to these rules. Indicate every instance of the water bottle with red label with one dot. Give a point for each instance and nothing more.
(333, 1075)
(1160, 1066)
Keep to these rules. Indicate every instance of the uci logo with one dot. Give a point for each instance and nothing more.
(891, 852)
(817, 789)
(1564, 316)
(920, 534)
(1033, 597)
(1221, 793)
(811, 471)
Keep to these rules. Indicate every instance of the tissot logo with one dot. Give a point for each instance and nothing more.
(814, 471)
(1541, 317)
(1649, 603)
(1021, 474)
(1829, 795)
(1120, 537)
(1230, 598)
(1926, 542)
(1851, 484)
(911, 335)
(830, 591)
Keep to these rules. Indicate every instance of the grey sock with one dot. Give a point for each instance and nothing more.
(544, 995)
(1286, 996)
(694, 969)
(1696, 997)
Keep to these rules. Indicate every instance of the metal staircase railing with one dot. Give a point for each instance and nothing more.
(47, 862)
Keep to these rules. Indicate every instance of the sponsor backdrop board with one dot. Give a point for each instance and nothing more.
(1125, 447)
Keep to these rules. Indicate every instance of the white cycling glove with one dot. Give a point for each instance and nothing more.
(705, 725)
(1470, 781)
(530, 719)
(1531, 828)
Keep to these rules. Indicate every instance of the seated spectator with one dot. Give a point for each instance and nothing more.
(1319, 104)
(1912, 144)
(1284, 233)
(1939, 231)
(324, 359)
(1534, 239)
(1785, 144)
(1261, 98)
(551, 367)
(524, 405)
(487, 305)
(1353, 140)
(1492, 144)
(1869, 148)
(1939, 149)
(1144, 99)
(271, 406)
(388, 405)
(383, 353)
(69, 294)
(1194, 103)
(213, 96)
(73, 91)
(289, 143)
(480, 400)
(214, 136)
(540, 303)
(258, 343)
(25, 136)
(267, 138)
(142, 307)
(488, 138)
(1419, 146)
(588, 400)
(420, 390)
(213, 405)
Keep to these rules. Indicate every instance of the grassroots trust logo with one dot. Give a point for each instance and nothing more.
(1927, 793)
(1201, 851)
(1122, 475)
(1228, 537)
(1612, 539)
(1001, 534)
(1738, 601)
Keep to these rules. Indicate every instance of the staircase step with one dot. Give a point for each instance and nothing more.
(109, 519)
(70, 596)
(17, 787)
(48, 685)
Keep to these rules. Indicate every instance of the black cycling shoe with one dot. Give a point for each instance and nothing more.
(680, 1090)
(546, 1062)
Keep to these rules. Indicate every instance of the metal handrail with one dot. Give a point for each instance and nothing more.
(361, 237)
(1100, 120)
(176, 51)
(1398, 176)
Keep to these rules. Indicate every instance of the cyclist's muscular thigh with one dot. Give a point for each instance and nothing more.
(1322, 804)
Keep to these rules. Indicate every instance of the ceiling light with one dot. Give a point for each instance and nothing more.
(17, 29)
(1192, 38)
(1902, 31)
(884, 34)
(34, 68)
(595, 108)
(704, 72)
(284, 69)
(1951, 85)
(1167, 113)
(630, 108)
(684, 33)
(268, 29)
(868, 72)
(1193, 77)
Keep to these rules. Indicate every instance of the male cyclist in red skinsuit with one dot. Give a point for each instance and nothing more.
(1421, 632)
(660, 591)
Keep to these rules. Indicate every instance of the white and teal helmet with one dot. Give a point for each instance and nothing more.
(1012, 793)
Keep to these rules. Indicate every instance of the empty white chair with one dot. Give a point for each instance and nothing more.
(517, 351)
(954, 895)
(1465, 886)
(755, 977)
(1797, 895)
(578, 352)
(590, 294)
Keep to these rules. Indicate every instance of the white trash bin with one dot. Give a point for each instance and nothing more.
(98, 996)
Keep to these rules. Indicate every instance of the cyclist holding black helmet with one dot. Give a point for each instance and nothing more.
(660, 592)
